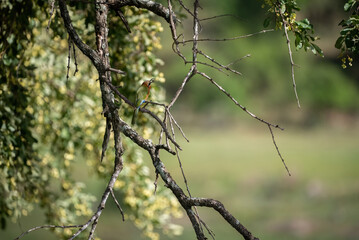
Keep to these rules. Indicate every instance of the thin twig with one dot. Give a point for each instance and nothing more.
(117, 204)
(68, 58)
(276, 147)
(116, 71)
(185, 8)
(219, 16)
(227, 39)
(189, 75)
(248, 55)
(52, 4)
(174, 33)
(144, 110)
(120, 14)
(236, 102)
(178, 126)
(209, 65)
(75, 59)
(46, 226)
(155, 183)
(219, 64)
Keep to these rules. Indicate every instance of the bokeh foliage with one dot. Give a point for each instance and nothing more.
(49, 122)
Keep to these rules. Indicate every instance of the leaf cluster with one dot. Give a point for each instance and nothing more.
(348, 41)
(283, 13)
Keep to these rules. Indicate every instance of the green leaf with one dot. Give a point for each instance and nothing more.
(267, 22)
(305, 24)
(339, 42)
(318, 50)
(348, 5)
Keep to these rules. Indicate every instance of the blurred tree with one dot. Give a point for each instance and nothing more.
(51, 116)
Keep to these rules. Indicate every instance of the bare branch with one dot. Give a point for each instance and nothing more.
(178, 126)
(117, 204)
(228, 39)
(85, 49)
(175, 38)
(219, 207)
(46, 226)
(236, 102)
(152, 6)
(144, 110)
(189, 75)
(214, 61)
(75, 59)
(220, 16)
(119, 13)
(276, 147)
(185, 8)
(116, 71)
(68, 58)
(52, 4)
(106, 138)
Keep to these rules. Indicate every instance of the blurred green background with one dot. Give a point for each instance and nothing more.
(231, 157)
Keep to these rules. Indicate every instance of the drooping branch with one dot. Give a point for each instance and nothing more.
(186, 202)
(45, 227)
(84, 48)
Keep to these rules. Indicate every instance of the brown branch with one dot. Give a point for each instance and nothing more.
(276, 147)
(144, 110)
(152, 6)
(186, 202)
(219, 207)
(75, 59)
(196, 27)
(117, 204)
(174, 34)
(185, 8)
(106, 138)
(68, 58)
(120, 14)
(189, 75)
(116, 71)
(84, 48)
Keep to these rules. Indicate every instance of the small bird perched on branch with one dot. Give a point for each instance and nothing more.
(142, 94)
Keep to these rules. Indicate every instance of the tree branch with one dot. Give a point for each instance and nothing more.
(152, 6)
(84, 48)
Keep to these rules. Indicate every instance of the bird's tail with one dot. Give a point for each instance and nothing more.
(134, 116)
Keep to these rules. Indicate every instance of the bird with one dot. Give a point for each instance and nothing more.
(142, 94)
